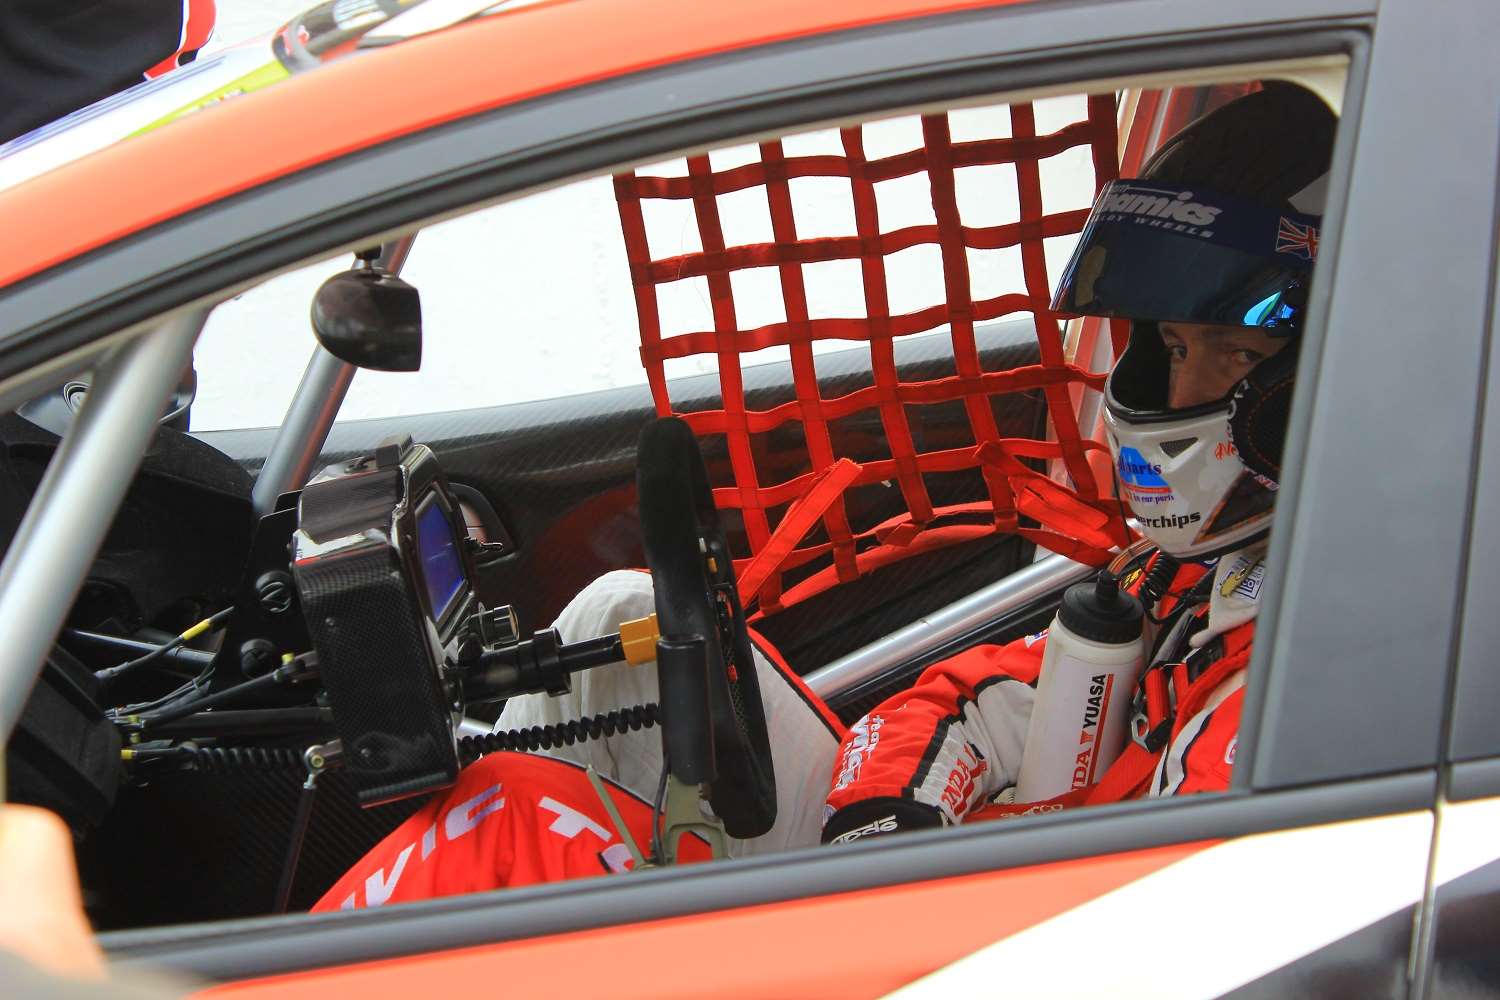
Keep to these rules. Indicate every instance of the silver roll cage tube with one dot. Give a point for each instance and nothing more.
(80, 492)
(887, 655)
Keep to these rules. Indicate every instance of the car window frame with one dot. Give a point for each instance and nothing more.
(1473, 740)
(1020, 62)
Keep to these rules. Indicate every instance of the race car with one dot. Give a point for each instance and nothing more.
(228, 719)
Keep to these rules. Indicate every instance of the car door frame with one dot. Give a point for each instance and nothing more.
(290, 221)
(1461, 916)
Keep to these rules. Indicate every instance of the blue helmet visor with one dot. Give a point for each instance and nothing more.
(1160, 252)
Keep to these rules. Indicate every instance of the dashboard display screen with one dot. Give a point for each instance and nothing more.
(442, 569)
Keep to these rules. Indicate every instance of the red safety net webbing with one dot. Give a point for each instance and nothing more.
(1082, 520)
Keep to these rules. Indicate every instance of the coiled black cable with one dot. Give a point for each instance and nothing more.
(220, 760)
(1158, 578)
(561, 734)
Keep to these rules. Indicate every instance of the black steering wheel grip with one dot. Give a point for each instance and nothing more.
(713, 721)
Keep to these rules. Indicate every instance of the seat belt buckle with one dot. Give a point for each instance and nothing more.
(1149, 737)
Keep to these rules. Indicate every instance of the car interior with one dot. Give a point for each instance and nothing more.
(293, 635)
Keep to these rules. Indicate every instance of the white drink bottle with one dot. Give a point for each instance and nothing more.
(1095, 653)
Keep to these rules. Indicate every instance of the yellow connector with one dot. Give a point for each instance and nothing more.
(639, 639)
(197, 630)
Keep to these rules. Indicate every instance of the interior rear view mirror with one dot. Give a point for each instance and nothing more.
(370, 318)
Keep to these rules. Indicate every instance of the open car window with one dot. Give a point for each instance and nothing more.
(540, 286)
(852, 318)
(855, 322)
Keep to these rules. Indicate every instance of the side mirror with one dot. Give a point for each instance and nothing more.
(370, 318)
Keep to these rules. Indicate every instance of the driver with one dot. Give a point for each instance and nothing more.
(1209, 255)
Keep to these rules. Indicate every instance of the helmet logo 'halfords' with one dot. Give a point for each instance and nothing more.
(1171, 520)
(1158, 204)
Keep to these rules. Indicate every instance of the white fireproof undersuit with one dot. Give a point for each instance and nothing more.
(802, 742)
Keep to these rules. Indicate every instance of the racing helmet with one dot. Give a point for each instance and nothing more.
(1221, 228)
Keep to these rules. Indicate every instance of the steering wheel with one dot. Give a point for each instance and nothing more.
(696, 599)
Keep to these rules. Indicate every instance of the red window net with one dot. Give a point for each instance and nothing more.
(801, 536)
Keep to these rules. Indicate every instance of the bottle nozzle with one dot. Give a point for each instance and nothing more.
(1099, 611)
(1107, 588)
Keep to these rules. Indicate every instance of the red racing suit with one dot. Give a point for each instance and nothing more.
(511, 819)
(948, 750)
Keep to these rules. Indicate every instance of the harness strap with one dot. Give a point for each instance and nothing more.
(1153, 708)
(1082, 528)
(798, 521)
(1131, 772)
(1158, 701)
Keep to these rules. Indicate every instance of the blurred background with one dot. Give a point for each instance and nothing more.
(531, 299)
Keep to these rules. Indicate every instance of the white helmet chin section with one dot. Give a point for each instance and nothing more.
(1185, 483)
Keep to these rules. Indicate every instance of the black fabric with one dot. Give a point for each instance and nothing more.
(59, 55)
(1258, 418)
(879, 817)
(1265, 147)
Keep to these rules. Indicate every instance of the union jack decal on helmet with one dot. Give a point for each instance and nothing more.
(1298, 239)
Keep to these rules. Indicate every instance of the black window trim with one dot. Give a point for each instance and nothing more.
(1471, 734)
